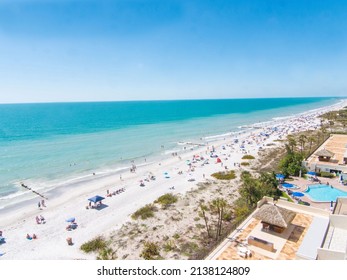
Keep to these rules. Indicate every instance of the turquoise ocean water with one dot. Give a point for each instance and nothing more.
(44, 145)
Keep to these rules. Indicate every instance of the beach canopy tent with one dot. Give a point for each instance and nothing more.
(311, 173)
(298, 194)
(274, 218)
(96, 198)
(280, 176)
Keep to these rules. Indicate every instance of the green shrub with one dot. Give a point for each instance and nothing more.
(95, 245)
(285, 195)
(166, 199)
(169, 246)
(229, 175)
(150, 251)
(326, 174)
(248, 157)
(189, 248)
(245, 163)
(176, 236)
(144, 212)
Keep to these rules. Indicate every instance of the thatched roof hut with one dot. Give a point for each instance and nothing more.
(324, 153)
(274, 215)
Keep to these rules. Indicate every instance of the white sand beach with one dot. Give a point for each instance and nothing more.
(71, 201)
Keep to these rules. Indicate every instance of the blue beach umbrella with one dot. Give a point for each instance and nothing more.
(70, 220)
(298, 194)
(96, 198)
(287, 185)
(312, 173)
(280, 176)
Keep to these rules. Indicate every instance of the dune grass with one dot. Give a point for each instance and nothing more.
(228, 175)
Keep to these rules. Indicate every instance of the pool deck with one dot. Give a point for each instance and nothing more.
(303, 183)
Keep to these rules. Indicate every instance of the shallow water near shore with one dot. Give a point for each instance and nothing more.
(47, 145)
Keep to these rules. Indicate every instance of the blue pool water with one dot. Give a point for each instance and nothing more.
(324, 193)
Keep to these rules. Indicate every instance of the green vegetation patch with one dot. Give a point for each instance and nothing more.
(167, 199)
(144, 212)
(96, 245)
(229, 175)
(326, 175)
(284, 194)
(150, 251)
(245, 163)
(248, 157)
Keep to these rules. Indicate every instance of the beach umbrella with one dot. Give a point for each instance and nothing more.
(287, 185)
(298, 194)
(311, 173)
(218, 160)
(96, 198)
(70, 220)
(280, 176)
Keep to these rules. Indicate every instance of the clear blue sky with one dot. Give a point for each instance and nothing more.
(176, 49)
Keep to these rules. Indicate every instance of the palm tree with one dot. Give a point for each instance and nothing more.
(218, 206)
(324, 131)
(202, 213)
(310, 139)
(291, 143)
(302, 141)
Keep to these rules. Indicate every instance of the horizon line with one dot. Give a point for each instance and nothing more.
(161, 100)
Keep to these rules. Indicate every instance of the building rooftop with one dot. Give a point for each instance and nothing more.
(324, 153)
(274, 215)
(334, 147)
(287, 244)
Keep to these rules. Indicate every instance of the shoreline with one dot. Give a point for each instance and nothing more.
(47, 185)
(70, 200)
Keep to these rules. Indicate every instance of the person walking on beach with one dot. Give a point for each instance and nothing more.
(43, 203)
(39, 205)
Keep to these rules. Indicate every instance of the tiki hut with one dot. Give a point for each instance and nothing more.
(324, 155)
(274, 218)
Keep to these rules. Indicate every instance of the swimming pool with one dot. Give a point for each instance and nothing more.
(324, 193)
